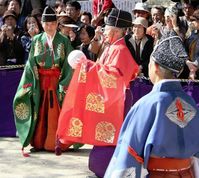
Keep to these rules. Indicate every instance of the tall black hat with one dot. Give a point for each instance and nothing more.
(49, 15)
(170, 52)
(119, 18)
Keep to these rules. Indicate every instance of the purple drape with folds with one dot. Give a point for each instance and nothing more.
(9, 80)
(141, 87)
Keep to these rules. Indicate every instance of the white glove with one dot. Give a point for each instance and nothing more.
(75, 57)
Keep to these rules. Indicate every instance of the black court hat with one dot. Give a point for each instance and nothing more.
(119, 18)
(49, 15)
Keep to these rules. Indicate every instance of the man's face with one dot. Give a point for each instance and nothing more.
(2, 7)
(14, 5)
(141, 13)
(50, 27)
(168, 20)
(157, 15)
(85, 19)
(138, 31)
(188, 10)
(59, 6)
(72, 12)
(10, 21)
(109, 34)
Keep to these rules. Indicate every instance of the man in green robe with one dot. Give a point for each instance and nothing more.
(42, 87)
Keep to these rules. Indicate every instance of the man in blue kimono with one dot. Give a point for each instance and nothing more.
(160, 133)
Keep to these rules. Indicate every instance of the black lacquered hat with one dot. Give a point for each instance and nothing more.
(119, 18)
(49, 15)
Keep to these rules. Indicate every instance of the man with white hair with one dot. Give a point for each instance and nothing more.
(95, 113)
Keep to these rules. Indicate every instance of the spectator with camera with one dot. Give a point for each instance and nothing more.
(73, 9)
(87, 32)
(68, 27)
(192, 44)
(188, 8)
(11, 49)
(172, 22)
(32, 27)
(16, 5)
(157, 15)
(98, 43)
(60, 5)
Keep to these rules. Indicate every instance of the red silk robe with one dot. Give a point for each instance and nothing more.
(92, 111)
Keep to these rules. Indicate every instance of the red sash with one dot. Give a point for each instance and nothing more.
(49, 77)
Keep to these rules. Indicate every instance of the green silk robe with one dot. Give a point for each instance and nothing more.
(27, 99)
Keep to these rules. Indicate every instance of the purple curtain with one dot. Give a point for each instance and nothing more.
(9, 80)
(141, 87)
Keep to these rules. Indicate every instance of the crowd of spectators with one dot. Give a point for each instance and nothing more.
(20, 21)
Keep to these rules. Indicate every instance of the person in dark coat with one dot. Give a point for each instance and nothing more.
(140, 44)
(87, 33)
(11, 49)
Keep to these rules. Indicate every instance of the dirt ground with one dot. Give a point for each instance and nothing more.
(71, 164)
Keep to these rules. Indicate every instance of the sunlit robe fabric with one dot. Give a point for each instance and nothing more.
(93, 108)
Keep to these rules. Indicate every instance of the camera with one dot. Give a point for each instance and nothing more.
(158, 25)
(6, 28)
(32, 27)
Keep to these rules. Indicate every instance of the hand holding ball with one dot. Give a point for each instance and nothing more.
(75, 57)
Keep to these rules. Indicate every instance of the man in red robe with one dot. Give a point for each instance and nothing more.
(93, 109)
(94, 102)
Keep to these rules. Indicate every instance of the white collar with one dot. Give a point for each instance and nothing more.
(50, 40)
